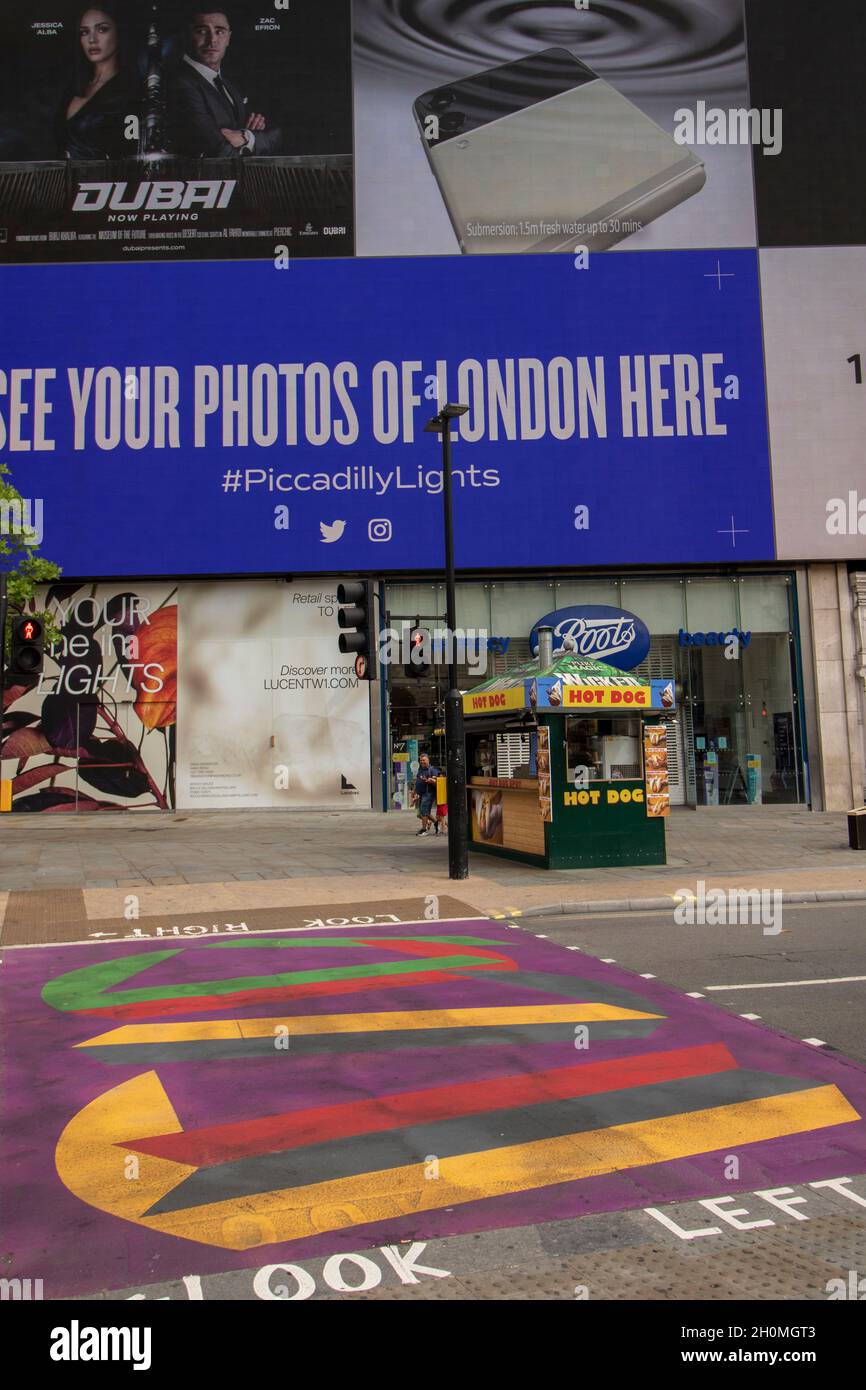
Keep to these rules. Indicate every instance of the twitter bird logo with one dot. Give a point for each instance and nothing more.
(333, 532)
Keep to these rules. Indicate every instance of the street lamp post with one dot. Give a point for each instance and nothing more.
(455, 746)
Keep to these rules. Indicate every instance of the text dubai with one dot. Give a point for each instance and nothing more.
(169, 200)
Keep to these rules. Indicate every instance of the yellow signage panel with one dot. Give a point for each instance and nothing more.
(607, 697)
(492, 701)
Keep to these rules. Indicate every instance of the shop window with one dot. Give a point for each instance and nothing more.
(473, 606)
(580, 591)
(658, 602)
(764, 603)
(412, 601)
(711, 605)
(516, 608)
(602, 749)
(770, 717)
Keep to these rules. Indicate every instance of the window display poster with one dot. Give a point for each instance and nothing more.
(655, 752)
(711, 778)
(271, 713)
(487, 816)
(542, 758)
(97, 730)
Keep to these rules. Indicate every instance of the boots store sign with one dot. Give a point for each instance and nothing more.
(606, 634)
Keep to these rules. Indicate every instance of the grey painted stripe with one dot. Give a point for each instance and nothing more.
(399, 1041)
(394, 1148)
(571, 987)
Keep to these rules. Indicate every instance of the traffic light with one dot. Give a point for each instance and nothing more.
(358, 614)
(419, 650)
(28, 647)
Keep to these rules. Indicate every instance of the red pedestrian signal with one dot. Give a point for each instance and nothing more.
(27, 652)
(419, 652)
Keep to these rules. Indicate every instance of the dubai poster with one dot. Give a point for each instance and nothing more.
(140, 130)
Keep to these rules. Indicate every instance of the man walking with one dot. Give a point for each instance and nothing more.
(425, 793)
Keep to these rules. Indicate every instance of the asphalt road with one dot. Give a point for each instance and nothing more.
(817, 942)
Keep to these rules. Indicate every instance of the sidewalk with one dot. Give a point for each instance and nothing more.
(220, 860)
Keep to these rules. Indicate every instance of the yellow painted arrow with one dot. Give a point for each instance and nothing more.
(91, 1162)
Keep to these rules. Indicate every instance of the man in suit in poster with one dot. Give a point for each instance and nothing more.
(210, 116)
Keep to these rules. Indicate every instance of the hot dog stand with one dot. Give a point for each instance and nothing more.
(566, 764)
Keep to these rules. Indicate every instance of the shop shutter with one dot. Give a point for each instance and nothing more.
(512, 751)
(518, 653)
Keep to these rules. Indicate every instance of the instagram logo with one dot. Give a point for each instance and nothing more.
(379, 529)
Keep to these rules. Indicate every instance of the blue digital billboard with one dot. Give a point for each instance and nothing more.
(201, 419)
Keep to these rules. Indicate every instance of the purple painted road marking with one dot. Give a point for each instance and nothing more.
(77, 1248)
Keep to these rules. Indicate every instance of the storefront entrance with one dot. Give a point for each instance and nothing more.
(736, 738)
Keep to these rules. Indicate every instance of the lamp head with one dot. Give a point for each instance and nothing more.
(449, 411)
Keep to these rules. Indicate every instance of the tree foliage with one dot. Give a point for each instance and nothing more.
(26, 570)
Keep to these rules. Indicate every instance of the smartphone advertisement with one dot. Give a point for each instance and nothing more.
(539, 128)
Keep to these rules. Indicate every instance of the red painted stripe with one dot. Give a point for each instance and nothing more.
(218, 1003)
(412, 947)
(273, 1133)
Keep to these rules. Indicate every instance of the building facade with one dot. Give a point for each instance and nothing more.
(233, 694)
(218, 358)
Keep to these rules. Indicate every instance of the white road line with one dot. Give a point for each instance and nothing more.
(254, 931)
(788, 984)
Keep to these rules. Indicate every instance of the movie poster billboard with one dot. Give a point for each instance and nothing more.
(140, 130)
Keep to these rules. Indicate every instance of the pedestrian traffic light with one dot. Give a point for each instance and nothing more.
(357, 617)
(28, 647)
(419, 650)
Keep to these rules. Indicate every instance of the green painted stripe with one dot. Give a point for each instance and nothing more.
(73, 991)
(84, 988)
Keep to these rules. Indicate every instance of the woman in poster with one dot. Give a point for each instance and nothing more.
(92, 118)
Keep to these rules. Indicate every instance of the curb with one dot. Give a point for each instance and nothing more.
(828, 895)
